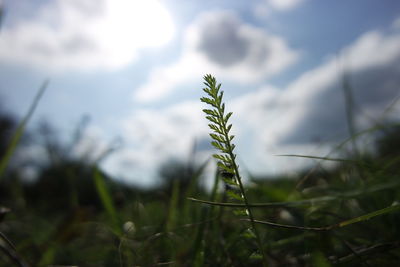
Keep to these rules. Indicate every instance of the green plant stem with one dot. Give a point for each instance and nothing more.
(250, 213)
(239, 180)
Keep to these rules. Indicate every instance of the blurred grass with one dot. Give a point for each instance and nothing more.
(74, 214)
(171, 230)
(107, 201)
(20, 130)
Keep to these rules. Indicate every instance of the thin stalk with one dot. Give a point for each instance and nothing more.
(250, 214)
(222, 141)
(246, 202)
(345, 223)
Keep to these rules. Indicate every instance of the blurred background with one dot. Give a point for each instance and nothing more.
(103, 138)
(131, 73)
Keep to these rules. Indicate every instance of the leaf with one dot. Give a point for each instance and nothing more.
(218, 86)
(206, 100)
(222, 158)
(228, 116)
(234, 195)
(228, 128)
(241, 212)
(215, 128)
(208, 91)
(230, 181)
(225, 168)
(216, 145)
(255, 256)
(211, 112)
(218, 100)
(212, 119)
(209, 101)
(218, 137)
(249, 233)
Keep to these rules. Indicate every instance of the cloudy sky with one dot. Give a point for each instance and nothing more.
(135, 67)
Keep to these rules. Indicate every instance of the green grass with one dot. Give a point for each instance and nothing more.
(346, 215)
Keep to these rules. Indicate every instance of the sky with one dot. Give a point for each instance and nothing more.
(135, 68)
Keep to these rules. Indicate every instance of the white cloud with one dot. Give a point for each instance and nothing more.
(92, 145)
(396, 24)
(270, 121)
(266, 7)
(220, 43)
(156, 135)
(313, 105)
(86, 35)
(372, 49)
(284, 4)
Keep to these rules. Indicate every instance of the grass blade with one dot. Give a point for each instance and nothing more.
(303, 202)
(199, 243)
(370, 215)
(20, 130)
(338, 225)
(173, 211)
(106, 200)
(321, 158)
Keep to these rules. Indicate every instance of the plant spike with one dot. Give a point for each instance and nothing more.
(222, 141)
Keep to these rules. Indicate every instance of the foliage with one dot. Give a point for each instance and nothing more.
(74, 214)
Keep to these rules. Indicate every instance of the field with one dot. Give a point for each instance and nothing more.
(346, 214)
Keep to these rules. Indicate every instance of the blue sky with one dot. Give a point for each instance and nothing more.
(136, 67)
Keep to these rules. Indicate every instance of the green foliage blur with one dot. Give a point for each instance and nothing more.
(75, 214)
(71, 213)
